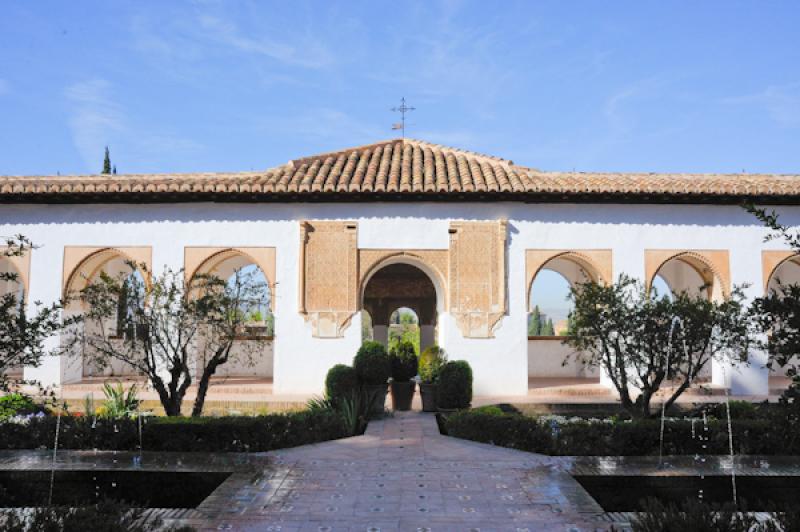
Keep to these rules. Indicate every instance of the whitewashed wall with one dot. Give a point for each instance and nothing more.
(300, 361)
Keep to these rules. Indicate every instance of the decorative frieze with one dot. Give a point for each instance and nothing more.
(478, 276)
(328, 275)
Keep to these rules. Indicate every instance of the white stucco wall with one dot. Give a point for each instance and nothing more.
(300, 361)
(546, 358)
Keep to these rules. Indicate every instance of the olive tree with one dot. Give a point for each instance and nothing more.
(641, 341)
(23, 331)
(169, 329)
(778, 311)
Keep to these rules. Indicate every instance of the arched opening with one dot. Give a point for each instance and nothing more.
(115, 264)
(252, 353)
(687, 274)
(549, 306)
(12, 286)
(785, 274)
(690, 275)
(406, 293)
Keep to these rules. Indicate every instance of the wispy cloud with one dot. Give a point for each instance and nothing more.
(98, 120)
(302, 51)
(781, 102)
(95, 118)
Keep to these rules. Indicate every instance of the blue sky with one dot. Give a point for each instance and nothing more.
(215, 86)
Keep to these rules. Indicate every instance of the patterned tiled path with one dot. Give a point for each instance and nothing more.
(402, 475)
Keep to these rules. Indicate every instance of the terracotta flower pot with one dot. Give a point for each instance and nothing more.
(429, 396)
(402, 394)
(376, 395)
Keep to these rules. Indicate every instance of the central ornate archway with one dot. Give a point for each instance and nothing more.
(396, 284)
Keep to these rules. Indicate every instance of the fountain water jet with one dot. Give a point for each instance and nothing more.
(53, 466)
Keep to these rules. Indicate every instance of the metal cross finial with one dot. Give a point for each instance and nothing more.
(403, 109)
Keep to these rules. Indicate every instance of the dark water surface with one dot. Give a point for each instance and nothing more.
(144, 489)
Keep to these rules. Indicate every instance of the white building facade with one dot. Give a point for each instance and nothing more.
(479, 228)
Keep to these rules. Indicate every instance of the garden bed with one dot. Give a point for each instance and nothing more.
(612, 437)
(204, 434)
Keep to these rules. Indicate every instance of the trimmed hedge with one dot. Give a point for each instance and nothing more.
(209, 434)
(623, 438)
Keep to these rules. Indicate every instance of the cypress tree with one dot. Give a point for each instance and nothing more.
(107, 163)
(535, 322)
(547, 328)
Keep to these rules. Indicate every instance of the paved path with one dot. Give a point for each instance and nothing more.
(402, 475)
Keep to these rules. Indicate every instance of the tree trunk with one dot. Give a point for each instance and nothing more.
(202, 388)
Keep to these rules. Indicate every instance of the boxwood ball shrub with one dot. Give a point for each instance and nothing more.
(372, 364)
(404, 362)
(341, 382)
(455, 385)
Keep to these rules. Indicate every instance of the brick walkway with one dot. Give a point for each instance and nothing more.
(402, 475)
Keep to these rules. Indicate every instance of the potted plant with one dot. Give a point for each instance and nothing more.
(404, 368)
(430, 363)
(455, 386)
(373, 368)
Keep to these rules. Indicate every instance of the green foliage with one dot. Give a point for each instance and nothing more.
(535, 322)
(354, 411)
(778, 313)
(23, 330)
(106, 162)
(372, 364)
(547, 328)
(626, 333)
(408, 330)
(160, 322)
(179, 434)
(119, 403)
(455, 385)
(766, 435)
(430, 364)
(340, 382)
(107, 516)
(739, 410)
(16, 404)
(404, 362)
(693, 515)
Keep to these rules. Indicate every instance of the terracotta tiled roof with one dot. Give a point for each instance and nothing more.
(403, 169)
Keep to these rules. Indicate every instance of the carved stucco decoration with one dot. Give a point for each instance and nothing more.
(328, 275)
(771, 260)
(478, 276)
(21, 265)
(597, 263)
(82, 263)
(711, 264)
(197, 258)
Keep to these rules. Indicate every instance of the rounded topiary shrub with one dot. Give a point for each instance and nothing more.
(404, 362)
(430, 363)
(341, 382)
(372, 364)
(455, 385)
